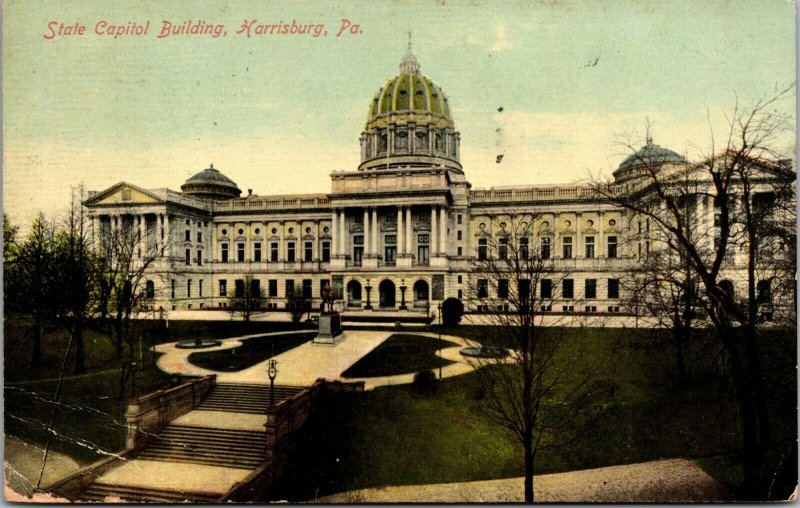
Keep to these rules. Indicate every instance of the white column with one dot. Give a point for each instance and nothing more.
(281, 244)
(374, 230)
(409, 232)
(367, 233)
(316, 250)
(142, 235)
(334, 234)
(342, 233)
(168, 235)
(401, 246)
(443, 230)
(434, 237)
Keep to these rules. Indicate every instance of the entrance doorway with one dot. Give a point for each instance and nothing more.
(421, 292)
(354, 294)
(386, 290)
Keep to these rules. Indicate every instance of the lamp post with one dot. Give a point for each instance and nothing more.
(403, 294)
(273, 373)
(368, 288)
(440, 341)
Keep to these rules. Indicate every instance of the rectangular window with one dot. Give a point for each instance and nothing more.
(289, 287)
(423, 239)
(589, 253)
(358, 254)
(422, 253)
(358, 240)
(590, 288)
(613, 288)
(566, 245)
(459, 251)
(546, 289)
(458, 235)
(546, 247)
(483, 288)
(523, 248)
(308, 251)
(240, 252)
(224, 253)
(290, 252)
(458, 218)
(568, 288)
(524, 290)
(272, 284)
(188, 235)
(199, 237)
(307, 289)
(273, 252)
(238, 288)
(257, 251)
(391, 254)
(223, 287)
(173, 288)
(189, 288)
(200, 287)
(502, 248)
(460, 279)
(502, 288)
(460, 294)
(483, 247)
(391, 240)
(188, 257)
(199, 258)
(326, 252)
(612, 246)
(255, 288)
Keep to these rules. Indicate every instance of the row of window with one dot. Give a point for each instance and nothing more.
(545, 250)
(546, 288)
(272, 287)
(291, 252)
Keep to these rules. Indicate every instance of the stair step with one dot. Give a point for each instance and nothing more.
(99, 491)
(236, 464)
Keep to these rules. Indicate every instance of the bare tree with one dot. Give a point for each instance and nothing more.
(247, 297)
(125, 271)
(530, 392)
(740, 182)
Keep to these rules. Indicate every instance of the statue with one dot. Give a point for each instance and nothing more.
(328, 297)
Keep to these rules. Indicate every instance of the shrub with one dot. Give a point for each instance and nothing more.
(452, 310)
(424, 382)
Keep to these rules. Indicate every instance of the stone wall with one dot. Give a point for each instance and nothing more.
(150, 413)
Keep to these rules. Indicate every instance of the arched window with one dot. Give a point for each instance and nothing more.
(421, 141)
(150, 289)
(764, 291)
(382, 143)
(401, 140)
(439, 142)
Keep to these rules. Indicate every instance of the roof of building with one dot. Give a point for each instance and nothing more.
(211, 174)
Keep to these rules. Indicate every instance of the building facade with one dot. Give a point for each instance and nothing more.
(402, 232)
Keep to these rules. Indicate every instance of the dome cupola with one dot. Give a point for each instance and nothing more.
(212, 185)
(409, 123)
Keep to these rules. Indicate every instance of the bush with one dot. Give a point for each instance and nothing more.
(424, 382)
(452, 310)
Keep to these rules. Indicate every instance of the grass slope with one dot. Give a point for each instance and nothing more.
(401, 353)
(251, 352)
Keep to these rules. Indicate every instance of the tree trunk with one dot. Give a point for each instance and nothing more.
(680, 334)
(528, 445)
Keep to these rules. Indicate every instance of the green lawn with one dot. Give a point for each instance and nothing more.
(401, 353)
(251, 352)
(393, 436)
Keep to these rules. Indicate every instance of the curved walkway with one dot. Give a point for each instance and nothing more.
(308, 362)
(662, 481)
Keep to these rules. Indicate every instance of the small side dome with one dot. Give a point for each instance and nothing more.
(647, 156)
(651, 154)
(212, 185)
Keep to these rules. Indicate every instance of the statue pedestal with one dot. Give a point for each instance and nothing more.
(330, 329)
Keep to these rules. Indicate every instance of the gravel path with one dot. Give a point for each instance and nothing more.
(673, 480)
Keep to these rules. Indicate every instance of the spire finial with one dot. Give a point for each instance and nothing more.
(409, 65)
(211, 165)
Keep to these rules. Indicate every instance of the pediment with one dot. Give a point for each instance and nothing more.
(124, 193)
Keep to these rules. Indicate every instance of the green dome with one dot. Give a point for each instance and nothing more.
(651, 154)
(211, 184)
(409, 97)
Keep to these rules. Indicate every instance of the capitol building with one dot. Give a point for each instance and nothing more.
(401, 232)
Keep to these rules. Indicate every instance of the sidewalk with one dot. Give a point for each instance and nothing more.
(303, 365)
(673, 480)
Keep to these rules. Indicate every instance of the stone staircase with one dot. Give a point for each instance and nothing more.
(241, 398)
(241, 449)
(98, 492)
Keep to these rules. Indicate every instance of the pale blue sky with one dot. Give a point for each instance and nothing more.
(279, 113)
